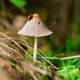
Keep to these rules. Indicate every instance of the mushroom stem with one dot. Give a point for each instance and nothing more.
(35, 49)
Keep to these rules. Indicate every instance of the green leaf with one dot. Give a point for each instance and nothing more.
(19, 3)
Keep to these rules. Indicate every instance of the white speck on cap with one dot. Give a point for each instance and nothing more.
(35, 27)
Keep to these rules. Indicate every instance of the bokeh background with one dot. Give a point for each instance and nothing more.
(61, 16)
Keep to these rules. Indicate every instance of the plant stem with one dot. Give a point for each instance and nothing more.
(35, 49)
(64, 58)
(72, 57)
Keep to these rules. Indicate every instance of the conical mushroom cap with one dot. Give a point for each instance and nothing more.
(35, 27)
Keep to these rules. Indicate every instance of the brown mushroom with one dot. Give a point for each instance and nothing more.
(36, 28)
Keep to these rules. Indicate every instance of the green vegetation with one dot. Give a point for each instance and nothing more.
(19, 3)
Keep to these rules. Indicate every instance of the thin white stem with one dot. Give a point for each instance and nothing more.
(71, 57)
(35, 49)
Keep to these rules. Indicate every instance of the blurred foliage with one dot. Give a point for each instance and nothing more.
(68, 45)
(69, 73)
(19, 3)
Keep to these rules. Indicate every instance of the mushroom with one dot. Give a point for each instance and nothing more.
(36, 28)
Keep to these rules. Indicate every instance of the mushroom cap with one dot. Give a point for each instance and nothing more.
(35, 27)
